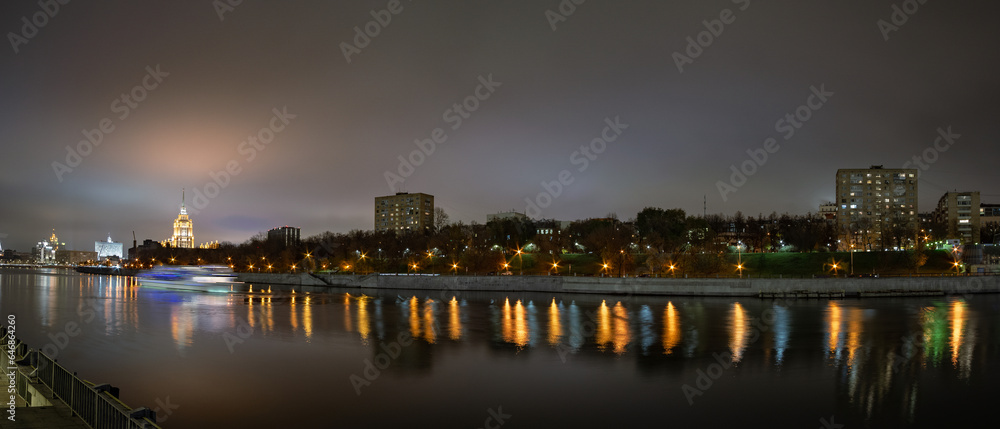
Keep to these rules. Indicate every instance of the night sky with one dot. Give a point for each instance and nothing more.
(216, 75)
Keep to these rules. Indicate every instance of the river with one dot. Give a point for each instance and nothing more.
(352, 358)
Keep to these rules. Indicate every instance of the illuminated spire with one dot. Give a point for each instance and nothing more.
(183, 209)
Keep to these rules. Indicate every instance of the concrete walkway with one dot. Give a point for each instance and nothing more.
(48, 417)
(55, 416)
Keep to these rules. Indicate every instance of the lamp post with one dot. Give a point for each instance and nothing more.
(520, 263)
(621, 261)
(739, 257)
(852, 259)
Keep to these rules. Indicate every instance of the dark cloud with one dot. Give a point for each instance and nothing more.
(354, 119)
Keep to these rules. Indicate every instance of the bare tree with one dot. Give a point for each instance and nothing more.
(440, 219)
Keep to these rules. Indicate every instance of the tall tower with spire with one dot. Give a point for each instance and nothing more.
(183, 229)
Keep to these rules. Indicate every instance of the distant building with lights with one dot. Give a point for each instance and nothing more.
(183, 230)
(506, 215)
(209, 245)
(989, 223)
(73, 257)
(959, 212)
(45, 250)
(873, 201)
(828, 211)
(147, 245)
(107, 249)
(404, 212)
(286, 235)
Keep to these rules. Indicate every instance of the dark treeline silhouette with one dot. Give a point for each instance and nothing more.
(659, 238)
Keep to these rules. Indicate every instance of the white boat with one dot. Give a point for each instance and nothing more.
(203, 278)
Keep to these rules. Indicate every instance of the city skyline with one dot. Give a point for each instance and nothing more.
(602, 108)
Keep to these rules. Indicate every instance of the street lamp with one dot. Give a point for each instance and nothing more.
(672, 266)
(604, 269)
(555, 267)
(454, 266)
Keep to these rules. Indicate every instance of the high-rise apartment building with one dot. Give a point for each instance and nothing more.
(286, 235)
(876, 208)
(404, 212)
(959, 212)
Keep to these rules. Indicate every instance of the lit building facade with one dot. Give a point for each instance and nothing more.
(183, 229)
(959, 212)
(404, 212)
(107, 249)
(876, 208)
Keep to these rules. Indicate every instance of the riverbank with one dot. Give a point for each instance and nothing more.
(728, 287)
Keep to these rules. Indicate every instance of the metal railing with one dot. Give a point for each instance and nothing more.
(97, 405)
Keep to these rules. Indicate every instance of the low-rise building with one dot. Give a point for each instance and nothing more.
(828, 211)
(74, 257)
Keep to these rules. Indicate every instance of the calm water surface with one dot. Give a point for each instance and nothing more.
(436, 359)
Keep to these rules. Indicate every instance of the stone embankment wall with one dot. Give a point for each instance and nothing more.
(636, 286)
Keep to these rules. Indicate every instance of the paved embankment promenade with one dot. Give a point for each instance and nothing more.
(756, 287)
